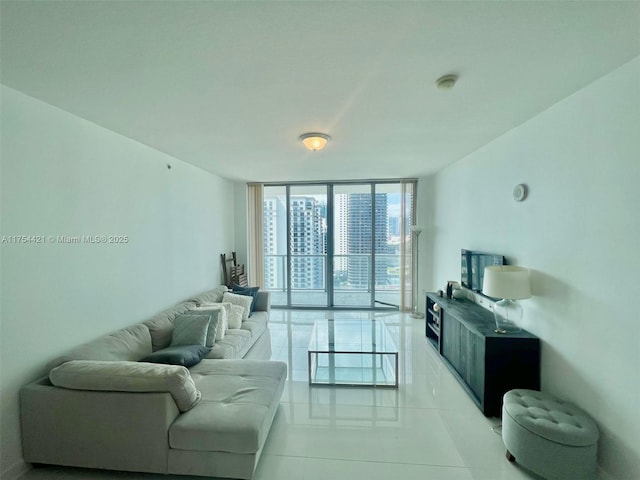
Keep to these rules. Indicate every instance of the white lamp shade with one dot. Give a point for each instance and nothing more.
(506, 281)
(417, 229)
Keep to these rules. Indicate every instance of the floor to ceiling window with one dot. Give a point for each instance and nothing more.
(342, 245)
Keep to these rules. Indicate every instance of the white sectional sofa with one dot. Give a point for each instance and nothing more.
(110, 411)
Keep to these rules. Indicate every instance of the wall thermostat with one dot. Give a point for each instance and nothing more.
(520, 192)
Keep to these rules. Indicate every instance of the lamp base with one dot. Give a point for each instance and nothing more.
(416, 315)
(506, 314)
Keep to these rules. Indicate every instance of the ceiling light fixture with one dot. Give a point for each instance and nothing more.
(314, 141)
(446, 82)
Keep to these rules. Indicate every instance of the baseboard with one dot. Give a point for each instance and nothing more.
(16, 471)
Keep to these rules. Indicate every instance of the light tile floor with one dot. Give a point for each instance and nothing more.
(427, 429)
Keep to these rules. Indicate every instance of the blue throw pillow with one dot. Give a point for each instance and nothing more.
(249, 292)
(185, 355)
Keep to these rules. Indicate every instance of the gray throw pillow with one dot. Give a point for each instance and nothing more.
(216, 324)
(190, 329)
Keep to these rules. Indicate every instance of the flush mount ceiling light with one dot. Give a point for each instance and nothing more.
(314, 141)
(446, 82)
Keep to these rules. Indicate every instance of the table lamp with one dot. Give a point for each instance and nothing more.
(509, 283)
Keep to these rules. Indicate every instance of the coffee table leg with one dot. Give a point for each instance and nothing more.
(396, 359)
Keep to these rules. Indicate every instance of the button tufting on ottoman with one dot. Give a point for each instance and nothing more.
(550, 437)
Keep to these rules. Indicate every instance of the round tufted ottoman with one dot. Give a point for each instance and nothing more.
(550, 437)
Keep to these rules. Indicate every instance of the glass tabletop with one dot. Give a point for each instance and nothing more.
(351, 336)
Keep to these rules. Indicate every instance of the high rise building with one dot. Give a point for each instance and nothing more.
(307, 236)
(275, 241)
(361, 238)
(340, 232)
(354, 239)
(394, 226)
(307, 240)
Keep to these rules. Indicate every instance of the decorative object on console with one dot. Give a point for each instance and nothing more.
(458, 293)
(416, 230)
(452, 286)
(510, 283)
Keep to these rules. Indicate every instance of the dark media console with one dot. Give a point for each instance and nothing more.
(487, 364)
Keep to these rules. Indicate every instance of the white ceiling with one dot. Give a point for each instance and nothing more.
(230, 86)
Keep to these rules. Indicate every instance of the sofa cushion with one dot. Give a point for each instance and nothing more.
(235, 344)
(256, 326)
(161, 325)
(239, 400)
(242, 300)
(128, 377)
(191, 329)
(185, 355)
(239, 341)
(211, 296)
(129, 344)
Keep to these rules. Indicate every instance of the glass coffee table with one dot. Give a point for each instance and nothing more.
(353, 353)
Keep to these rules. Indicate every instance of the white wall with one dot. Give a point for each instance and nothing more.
(579, 231)
(62, 175)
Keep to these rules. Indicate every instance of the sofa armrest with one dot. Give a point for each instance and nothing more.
(112, 430)
(131, 377)
(263, 301)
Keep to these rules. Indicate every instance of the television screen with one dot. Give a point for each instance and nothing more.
(472, 268)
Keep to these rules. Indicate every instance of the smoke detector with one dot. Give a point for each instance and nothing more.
(446, 82)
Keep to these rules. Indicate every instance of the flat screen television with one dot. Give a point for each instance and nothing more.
(472, 267)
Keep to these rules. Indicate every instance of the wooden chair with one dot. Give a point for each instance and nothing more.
(232, 272)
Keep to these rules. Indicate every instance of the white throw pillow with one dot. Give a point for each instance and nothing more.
(242, 300)
(235, 320)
